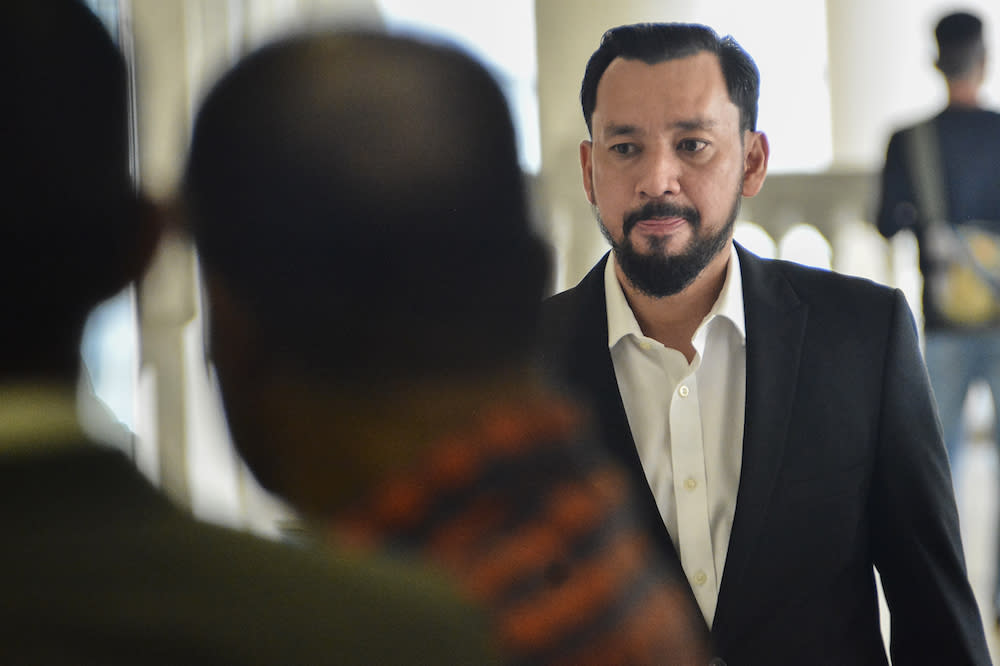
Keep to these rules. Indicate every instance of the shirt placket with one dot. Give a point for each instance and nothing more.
(691, 495)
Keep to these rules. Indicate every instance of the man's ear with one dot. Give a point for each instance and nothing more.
(756, 153)
(151, 221)
(229, 330)
(130, 253)
(245, 382)
(586, 165)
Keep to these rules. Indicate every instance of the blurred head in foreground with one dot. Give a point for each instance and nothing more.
(374, 286)
(360, 216)
(74, 231)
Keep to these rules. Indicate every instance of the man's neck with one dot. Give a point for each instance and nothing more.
(963, 93)
(341, 442)
(673, 320)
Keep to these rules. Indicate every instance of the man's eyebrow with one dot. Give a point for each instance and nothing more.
(686, 125)
(696, 124)
(614, 130)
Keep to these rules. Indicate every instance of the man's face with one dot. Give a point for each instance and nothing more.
(667, 167)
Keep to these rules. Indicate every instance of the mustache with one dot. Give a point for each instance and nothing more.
(660, 209)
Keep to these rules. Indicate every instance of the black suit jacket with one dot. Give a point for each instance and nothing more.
(843, 468)
(97, 568)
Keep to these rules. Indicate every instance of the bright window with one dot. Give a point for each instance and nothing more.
(501, 35)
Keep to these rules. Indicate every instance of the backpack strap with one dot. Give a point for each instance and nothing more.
(924, 164)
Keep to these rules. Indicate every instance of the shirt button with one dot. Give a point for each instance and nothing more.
(684, 390)
(690, 484)
(700, 578)
(645, 346)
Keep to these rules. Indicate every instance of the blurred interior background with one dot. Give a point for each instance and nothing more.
(837, 77)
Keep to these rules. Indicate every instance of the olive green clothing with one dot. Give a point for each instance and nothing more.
(98, 567)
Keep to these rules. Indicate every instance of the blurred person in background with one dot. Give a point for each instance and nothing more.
(98, 567)
(776, 419)
(941, 180)
(373, 286)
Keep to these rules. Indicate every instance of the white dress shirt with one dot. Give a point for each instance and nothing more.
(687, 421)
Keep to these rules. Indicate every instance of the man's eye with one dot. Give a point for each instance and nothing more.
(624, 148)
(691, 145)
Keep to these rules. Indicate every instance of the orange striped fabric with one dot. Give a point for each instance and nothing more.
(538, 526)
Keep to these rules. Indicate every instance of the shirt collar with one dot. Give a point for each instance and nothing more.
(729, 304)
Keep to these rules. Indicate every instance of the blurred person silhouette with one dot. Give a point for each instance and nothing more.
(98, 566)
(776, 418)
(941, 181)
(373, 286)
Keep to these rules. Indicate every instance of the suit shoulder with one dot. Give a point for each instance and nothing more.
(558, 319)
(559, 303)
(826, 288)
(566, 307)
(824, 277)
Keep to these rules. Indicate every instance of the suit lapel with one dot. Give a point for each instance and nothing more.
(775, 324)
(598, 372)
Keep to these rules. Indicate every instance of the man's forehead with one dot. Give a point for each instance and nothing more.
(690, 92)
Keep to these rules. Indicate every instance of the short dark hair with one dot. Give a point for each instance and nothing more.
(654, 43)
(360, 191)
(68, 203)
(959, 37)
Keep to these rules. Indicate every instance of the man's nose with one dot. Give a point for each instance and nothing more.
(660, 174)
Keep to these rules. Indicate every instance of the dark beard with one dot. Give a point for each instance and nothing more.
(656, 274)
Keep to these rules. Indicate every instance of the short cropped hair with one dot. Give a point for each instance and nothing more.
(960, 44)
(362, 194)
(653, 43)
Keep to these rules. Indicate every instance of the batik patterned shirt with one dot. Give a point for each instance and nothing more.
(539, 527)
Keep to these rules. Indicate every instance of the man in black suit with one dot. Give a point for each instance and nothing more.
(97, 566)
(777, 418)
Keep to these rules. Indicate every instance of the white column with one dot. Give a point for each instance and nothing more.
(166, 297)
(881, 73)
